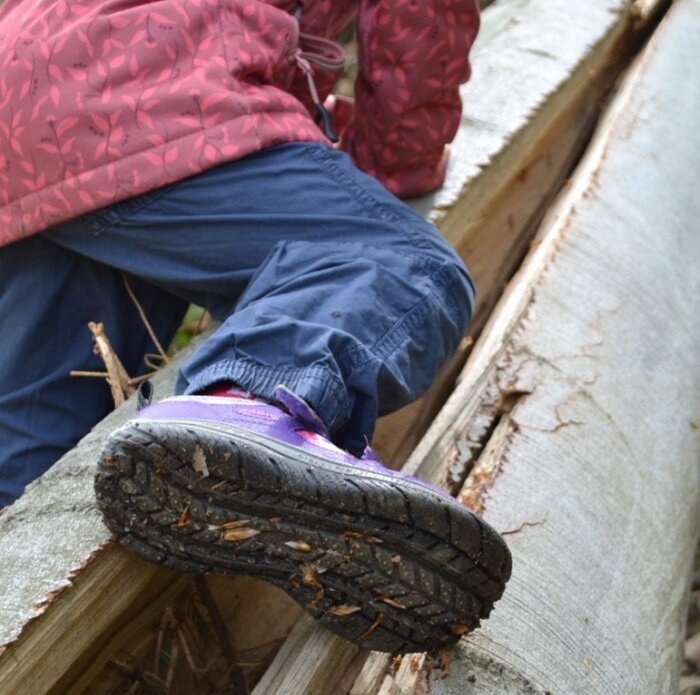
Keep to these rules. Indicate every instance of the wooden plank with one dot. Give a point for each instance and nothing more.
(598, 485)
(593, 50)
(325, 657)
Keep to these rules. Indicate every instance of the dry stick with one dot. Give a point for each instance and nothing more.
(174, 654)
(120, 383)
(196, 671)
(98, 375)
(133, 381)
(142, 314)
(237, 676)
(117, 378)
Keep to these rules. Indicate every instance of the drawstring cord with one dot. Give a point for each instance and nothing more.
(325, 54)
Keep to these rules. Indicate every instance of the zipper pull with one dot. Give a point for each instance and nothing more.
(323, 117)
(326, 122)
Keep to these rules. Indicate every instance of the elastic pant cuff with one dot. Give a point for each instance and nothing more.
(316, 384)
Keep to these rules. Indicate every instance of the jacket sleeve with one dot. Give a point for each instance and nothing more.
(413, 56)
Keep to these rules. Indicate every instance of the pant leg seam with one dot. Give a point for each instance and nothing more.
(366, 199)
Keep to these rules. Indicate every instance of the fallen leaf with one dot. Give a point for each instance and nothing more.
(239, 534)
(362, 536)
(309, 577)
(199, 462)
(299, 545)
(184, 518)
(235, 524)
(378, 617)
(342, 611)
(391, 602)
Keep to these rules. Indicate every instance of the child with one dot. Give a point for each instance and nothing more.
(176, 142)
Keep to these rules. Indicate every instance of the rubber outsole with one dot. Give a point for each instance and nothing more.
(381, 562)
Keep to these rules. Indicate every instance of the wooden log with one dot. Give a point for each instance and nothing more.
(593, 470)
(54, 533)
(52, 541)
(54, 546)
(593, 48)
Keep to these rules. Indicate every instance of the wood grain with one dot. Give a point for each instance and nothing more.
(598, 486)
(52, 541)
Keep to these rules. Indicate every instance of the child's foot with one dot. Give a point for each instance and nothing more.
(238, 486)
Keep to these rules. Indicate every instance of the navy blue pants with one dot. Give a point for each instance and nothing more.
(323, 280)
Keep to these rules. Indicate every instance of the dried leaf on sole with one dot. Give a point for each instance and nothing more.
(343, 610)
(391, 602)
(299, 545)
(238, 523)
(239, 534)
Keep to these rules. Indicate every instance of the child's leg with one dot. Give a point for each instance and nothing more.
(351, 300)
(47, 296)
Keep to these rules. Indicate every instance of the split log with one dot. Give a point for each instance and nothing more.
(592, 466)
(512, 31)
(56, 552)
(541, 72)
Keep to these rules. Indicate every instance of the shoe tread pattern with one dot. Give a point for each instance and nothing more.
(416, 579)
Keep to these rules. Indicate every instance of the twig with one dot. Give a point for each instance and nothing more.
(133, 381)
(98, 375)
(148, 361)
(198, 673)
(525, 524)
(165, 621)
(136, 380)
(117, 377)
(146, 323)
(175, 652)
(203, 318)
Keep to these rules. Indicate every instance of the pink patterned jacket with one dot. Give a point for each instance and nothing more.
(101, 100)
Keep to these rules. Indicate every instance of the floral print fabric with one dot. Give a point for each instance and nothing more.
(104, 100)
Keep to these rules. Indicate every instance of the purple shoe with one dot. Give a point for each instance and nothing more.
(239, 486)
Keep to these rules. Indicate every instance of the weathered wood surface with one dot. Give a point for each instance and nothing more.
(571, 55)
(54, 547)
(594, 471)
(541, 70)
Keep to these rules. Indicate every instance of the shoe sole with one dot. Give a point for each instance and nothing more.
(381, 562)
